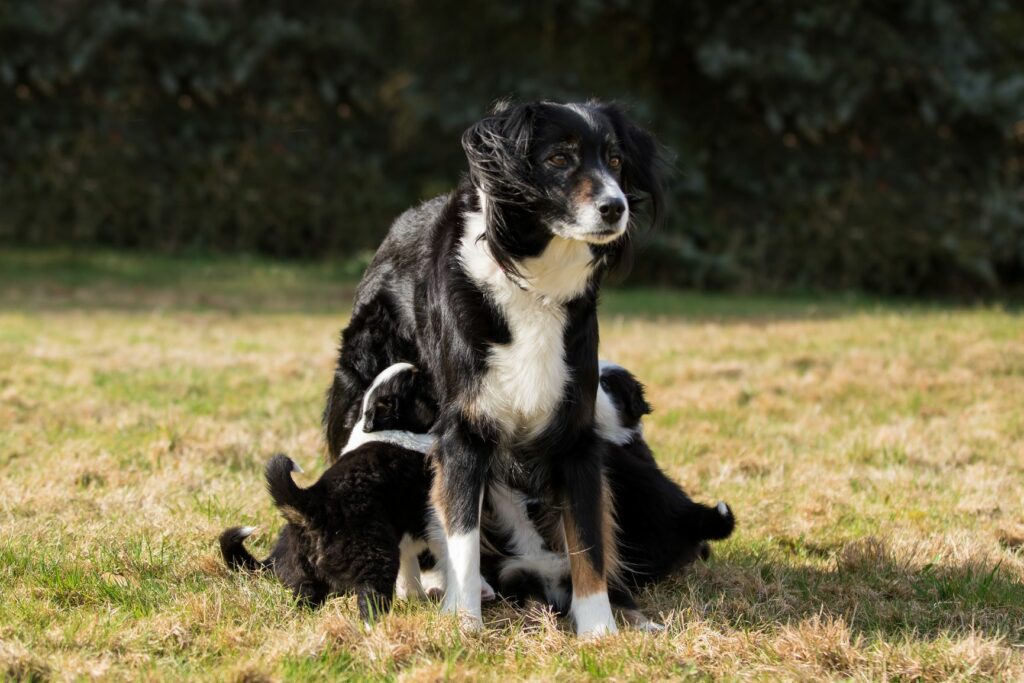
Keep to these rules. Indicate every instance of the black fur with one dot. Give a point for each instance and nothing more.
(417, 299)
(661, 529)
(343, 532)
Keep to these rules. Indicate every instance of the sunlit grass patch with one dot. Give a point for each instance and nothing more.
(873, 454)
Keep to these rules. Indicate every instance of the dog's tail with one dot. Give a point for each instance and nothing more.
(288, 497)
(236, 555)
(705, 523)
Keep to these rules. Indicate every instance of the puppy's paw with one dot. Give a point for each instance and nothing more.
(651, 627)
(639, 621)
(486, 592)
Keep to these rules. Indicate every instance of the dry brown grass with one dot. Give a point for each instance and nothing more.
(874, 457)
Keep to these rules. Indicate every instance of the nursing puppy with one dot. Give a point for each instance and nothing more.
(659, 528)
(492, 291)
(361, 526)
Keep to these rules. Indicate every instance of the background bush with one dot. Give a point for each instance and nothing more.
(865, 144)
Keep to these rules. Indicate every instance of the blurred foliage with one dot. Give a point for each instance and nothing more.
(866, 145)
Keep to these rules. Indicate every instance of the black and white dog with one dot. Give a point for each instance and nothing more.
(362, 525)
(492, 291)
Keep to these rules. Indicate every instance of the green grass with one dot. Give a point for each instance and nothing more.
(873, 452)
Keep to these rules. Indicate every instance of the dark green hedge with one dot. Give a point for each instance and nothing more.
(870, 145)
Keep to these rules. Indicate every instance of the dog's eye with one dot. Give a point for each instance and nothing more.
(559, 160)
(614, 161)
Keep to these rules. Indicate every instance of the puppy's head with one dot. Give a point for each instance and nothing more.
(399, 399)
(580, 169)
(620, 406)
(626, 393)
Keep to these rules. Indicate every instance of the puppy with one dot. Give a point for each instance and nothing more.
(659, 528)
(361, 526)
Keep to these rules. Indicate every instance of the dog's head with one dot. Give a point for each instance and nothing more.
(399, 399)
(575, 171)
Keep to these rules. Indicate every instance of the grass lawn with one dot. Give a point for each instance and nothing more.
(873, 453)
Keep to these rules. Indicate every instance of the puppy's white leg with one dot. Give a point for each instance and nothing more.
(409, 585)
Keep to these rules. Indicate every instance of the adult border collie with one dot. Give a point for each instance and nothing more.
(492, 291)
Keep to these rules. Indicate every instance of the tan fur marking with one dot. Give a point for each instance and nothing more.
(586, 580)
(293, 516)
(584, 191)
(610, 534)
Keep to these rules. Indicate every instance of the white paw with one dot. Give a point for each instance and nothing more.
(470, 623)
(593, 616)
(722, 508)
(470, 619)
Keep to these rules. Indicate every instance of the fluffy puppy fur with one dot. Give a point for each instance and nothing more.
(492, 291)
(660, 529)
(363, 523)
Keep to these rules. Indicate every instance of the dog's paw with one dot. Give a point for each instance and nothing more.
(593, 616)
(470, 623)
(723, 509)
(470, 618)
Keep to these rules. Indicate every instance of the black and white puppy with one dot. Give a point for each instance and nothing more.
(362, 525)
(492, 291)
(659, 528)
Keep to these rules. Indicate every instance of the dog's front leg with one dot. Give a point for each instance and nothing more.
(462, 461)
(590, 540)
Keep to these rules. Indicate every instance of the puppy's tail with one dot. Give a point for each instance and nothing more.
(705, 523)
(236, 555)
(289, 498)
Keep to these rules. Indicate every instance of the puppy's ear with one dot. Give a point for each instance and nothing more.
(380, 414)
(636, 401)
(644, 166)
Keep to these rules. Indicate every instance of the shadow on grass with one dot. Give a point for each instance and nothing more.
(865, 583)
(64, 279)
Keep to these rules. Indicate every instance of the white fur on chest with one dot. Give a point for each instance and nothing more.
(526, 378)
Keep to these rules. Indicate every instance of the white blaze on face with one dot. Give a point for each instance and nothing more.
(590, 223)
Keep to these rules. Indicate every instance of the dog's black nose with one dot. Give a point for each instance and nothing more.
(611, 209)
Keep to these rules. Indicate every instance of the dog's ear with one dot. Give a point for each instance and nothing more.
(644, 166)
(498, 151)
(498, 148)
